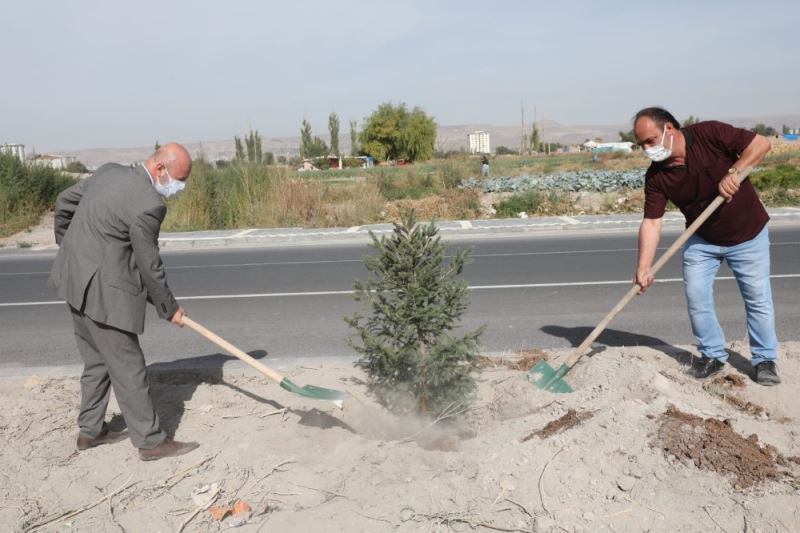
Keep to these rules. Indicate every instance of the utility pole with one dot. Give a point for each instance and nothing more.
(522, 131)
(541, 136)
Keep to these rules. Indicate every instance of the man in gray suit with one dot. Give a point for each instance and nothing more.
(108, 266)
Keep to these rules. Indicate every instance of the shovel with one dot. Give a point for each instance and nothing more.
(309, 391)
(545, 377)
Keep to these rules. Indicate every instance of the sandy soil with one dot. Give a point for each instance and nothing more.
(640, 446)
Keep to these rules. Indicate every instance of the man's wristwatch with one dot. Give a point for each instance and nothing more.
(734, 170)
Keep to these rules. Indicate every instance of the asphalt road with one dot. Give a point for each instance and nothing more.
(287, 302)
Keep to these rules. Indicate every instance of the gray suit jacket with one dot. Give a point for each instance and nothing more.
(108, 264)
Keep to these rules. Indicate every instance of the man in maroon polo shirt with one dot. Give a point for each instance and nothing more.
(690, 167)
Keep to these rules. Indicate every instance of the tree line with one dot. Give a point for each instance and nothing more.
(390, 133)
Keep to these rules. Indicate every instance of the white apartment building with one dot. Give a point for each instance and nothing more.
(13, 149)
(479, 143)
(58, 162)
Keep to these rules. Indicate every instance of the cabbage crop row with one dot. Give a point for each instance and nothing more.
(597, 180)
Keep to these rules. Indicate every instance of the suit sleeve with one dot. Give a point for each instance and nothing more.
(144, 241)
(66, 204)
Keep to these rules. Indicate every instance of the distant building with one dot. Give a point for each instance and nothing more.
(58, 162)
(13, 149)
(596, 147)
(479, 143)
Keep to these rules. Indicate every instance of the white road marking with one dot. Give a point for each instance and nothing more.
(327, 261)
(471, 287)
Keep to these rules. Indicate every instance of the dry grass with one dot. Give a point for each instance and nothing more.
(243, 196)
(453, 204)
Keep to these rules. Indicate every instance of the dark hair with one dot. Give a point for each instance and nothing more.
(659, 115)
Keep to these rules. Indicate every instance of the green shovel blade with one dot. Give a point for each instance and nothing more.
(310, 391)
(546, 378)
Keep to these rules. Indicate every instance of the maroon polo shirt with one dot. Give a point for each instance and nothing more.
(711, 149)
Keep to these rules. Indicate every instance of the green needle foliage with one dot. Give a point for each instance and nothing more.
(416, 300)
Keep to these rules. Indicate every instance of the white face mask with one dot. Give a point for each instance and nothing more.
(172, 187)
(658, 152)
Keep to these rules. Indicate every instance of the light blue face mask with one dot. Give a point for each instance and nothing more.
(658, 152)
(172, 187)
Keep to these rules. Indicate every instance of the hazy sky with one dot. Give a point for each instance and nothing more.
(83, 74)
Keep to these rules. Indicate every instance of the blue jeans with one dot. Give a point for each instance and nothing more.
(749, 262)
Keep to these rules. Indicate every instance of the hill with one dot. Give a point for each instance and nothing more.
(453, 137)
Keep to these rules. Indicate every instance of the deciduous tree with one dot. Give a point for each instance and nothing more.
(333, 129)
(392, 132)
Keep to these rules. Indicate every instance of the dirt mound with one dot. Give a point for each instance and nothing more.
(713, 445)
(569, 420)
(307, 465)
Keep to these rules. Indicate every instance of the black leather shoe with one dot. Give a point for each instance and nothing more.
(105, 437)
(705, 367)
(766, 373)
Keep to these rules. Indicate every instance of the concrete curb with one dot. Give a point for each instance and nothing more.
(448, 229)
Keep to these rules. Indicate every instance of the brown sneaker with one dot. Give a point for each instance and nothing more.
(105, 437)
(167, 448)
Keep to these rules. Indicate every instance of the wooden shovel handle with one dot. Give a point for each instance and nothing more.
(666, 256)
(225, 345)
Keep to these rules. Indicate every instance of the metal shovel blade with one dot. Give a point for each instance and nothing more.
(546, 378)
(311, 391)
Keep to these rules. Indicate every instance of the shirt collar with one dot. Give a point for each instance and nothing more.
(688, 138)
(152, 181)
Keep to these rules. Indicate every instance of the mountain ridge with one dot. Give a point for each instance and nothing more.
(449, 137)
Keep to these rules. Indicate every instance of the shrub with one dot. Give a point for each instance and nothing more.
(26, 192)
(528, 202)
(783, 176)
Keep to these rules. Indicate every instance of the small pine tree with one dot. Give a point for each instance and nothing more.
(415, 300)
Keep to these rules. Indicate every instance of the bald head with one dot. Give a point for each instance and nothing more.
(172, 158)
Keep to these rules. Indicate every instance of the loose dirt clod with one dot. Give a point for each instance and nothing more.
(713, 445)
(730, 380)
(571, 419)
(525, 360)
(724, 387)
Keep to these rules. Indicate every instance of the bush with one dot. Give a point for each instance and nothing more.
(27, 191)
(504, 150)
(77, 167)
(528, 202)
(783, 176)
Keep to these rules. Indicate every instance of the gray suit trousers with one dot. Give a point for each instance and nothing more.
(113, 357)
